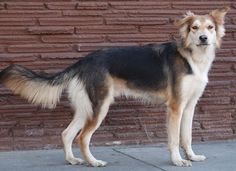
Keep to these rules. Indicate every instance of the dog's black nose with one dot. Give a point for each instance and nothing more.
(203, 38)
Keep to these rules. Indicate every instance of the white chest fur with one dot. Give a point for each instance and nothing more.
(192, 86)
(200, 61)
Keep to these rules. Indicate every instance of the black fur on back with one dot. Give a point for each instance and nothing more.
(146, 67)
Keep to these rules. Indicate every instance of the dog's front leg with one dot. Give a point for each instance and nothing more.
(186, 131)
(174, 118)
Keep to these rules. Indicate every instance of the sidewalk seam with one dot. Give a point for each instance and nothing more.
(147, 163)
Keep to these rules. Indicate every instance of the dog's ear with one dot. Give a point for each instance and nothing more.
(187, 17)
(184, 25)
(219, 15)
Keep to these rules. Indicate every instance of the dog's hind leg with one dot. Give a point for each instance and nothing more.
(83, 109)
(88, 130)
(68, 136)
(186, 131)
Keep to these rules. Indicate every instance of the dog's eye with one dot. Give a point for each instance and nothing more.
(210, 27)
(195, 27)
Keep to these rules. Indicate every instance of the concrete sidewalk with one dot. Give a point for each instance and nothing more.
(221, 156)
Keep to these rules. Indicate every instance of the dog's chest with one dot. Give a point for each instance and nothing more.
(193, 85)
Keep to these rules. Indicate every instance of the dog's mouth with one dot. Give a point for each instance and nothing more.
(202, 44)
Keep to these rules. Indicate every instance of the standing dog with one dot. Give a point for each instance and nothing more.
(173, 73)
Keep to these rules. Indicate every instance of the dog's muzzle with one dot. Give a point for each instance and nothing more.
(203, 40)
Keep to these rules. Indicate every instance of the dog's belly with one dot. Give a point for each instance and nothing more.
(153, 97)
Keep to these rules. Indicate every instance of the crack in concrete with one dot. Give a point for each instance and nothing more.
(147, 163)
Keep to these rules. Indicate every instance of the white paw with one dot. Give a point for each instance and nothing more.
(75, 161)
(197, 157)
(182, 163)
(98, 163)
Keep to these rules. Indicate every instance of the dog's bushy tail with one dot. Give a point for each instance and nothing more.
(36, 88)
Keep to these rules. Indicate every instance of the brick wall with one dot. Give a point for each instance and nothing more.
(48, 35)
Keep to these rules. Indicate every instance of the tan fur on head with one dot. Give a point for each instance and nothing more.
(216, 16)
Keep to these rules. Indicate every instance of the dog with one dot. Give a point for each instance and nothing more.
(174, 73)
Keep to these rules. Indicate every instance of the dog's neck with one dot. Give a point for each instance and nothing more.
(199, 58)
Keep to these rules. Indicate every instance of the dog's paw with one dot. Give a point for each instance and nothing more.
(74, 161)
(182, 163)
(197, 157)
(98, 163)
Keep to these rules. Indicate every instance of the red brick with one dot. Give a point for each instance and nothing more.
(6, 143)
(5, 132)
(18, 57)
(39, 48)
(159, 29)
(70, 21)
(23, 143)
(53, 131)
(7, 124)
(152, 13)
(217, 108)
(28, 132)
(138, 38)
(9, 107)
(2, 6)
(2, 49)
(59, 123)
(224, 53)
(83, 13)
(223, 74)
(29, 13)
(92, 6)
(16, 30)
(137, 21)
(50, 30)
(50, 142)
(114, 29)
(95, 46)
(228, 44)
(208, 5)
(216, 92)
(17, 21)
(72, 39)
(44, 1)
(69, 55)
(61, 5)
(29, 123)
(140, 5)
(217, 84)
(25, 5)
(226, 59)
(217, 101)
(18, 39)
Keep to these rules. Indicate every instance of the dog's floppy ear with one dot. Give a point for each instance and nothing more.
(183, 25)
(219, 15)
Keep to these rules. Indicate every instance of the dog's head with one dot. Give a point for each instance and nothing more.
(201, 31)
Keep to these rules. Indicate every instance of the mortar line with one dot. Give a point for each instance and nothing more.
(147, 163)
